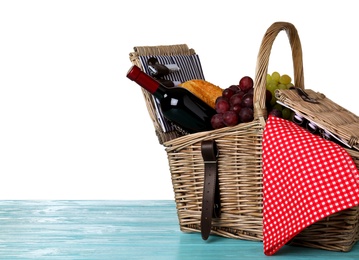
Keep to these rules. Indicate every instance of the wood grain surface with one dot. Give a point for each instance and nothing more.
(104, 230)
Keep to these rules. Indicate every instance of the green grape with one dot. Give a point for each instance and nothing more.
(276, 76)
(290, 85)
(292, 113)
(282, 86)
(273, 101)
(285, 79)
(272, 88)
(286, 113)
(276, 81)
(278, 107)
(272, 82)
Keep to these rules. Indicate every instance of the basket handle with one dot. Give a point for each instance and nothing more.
(260, 110)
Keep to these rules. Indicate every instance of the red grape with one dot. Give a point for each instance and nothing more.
(222, 106)
(247, 100)
(241, 93)
(276, 112)
(234, 87)
(236, 99)
(217, 121)
(227, 93)
(250, 91)
(218, 99)
(230, 118)
(246, 114)
(236, 108)
(246, 83)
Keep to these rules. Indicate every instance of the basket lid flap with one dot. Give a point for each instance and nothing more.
(326, 114)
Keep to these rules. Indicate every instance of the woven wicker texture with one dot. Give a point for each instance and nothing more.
(326, 113)
(240, 164)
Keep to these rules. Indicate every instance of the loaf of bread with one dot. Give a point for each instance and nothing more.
(204, 90)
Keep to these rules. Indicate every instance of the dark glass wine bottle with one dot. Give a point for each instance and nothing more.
(178, 104)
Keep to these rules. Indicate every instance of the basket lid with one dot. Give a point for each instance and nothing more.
(325, 113)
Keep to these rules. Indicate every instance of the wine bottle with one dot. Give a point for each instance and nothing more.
(178, 104)
(158, 70)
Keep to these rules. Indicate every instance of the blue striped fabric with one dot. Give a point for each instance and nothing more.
(190, 68)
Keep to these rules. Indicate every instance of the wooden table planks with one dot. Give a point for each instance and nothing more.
(125, 230)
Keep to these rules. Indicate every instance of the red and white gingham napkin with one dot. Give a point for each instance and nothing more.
(305, 178)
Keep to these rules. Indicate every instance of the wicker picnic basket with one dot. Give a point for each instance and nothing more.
(240, 162)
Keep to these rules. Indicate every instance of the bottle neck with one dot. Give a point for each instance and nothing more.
(146, 81)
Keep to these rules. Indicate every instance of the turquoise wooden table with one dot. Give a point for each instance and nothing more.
(104, 230)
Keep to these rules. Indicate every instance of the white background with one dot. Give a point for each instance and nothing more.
(72, 126)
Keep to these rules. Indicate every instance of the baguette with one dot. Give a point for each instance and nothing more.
(204, 90)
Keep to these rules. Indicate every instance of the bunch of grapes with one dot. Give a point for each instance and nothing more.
(276, 81)
(235, 105)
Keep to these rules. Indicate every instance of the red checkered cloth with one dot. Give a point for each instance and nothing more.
(305, 178)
